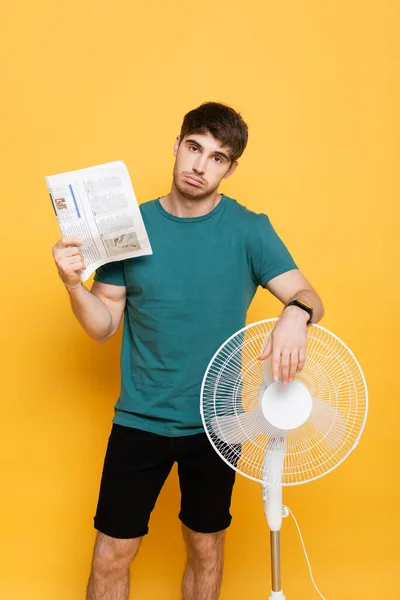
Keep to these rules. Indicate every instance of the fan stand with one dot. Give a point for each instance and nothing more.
(276, 566)
(285, 407)
(272, 498)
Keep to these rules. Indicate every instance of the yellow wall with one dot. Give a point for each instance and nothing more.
(86, 82)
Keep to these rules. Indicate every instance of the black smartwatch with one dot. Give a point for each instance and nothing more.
(303, 306)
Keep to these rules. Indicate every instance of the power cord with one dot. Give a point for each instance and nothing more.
(285, 512)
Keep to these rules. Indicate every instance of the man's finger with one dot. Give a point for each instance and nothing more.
(294, 359)
(267, 351)
(285, 366)
(74, 259)
(276, 362)
(72, 251)
(302, 359)
(68, 241)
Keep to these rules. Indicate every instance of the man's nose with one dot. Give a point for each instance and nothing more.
(199, 165)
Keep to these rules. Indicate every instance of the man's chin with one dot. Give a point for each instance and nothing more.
(191, 192)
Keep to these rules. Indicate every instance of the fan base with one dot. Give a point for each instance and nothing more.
(277, 596)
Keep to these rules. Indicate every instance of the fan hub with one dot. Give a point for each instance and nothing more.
(286, 406)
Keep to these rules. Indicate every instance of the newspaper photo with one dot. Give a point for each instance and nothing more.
(98, 205)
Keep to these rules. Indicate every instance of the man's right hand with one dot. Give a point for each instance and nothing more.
(69, 260)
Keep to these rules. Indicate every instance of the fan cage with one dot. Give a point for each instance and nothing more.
(235, 380)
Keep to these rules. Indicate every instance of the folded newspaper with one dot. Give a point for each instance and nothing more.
(98, 205)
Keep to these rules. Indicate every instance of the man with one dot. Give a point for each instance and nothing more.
(210, 253)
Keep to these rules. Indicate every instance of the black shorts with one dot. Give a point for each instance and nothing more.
(136, 466)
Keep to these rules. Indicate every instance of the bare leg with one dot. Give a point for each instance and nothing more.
(203, 573)
(109, 578)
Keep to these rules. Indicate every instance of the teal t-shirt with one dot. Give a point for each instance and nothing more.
(183, 302)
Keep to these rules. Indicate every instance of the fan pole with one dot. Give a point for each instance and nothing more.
(272, 496)
(276, 563)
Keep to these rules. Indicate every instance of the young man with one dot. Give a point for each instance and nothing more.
(210, 253)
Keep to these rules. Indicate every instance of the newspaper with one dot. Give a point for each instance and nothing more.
(98, 205)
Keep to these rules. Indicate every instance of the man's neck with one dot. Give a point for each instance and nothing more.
(179, 206)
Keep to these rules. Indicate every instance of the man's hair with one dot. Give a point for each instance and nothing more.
(222, 121)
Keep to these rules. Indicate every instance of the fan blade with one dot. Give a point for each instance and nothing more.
(242, 427)
(329, 421)
(267, 371)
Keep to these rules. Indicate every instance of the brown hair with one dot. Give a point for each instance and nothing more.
(222, 121)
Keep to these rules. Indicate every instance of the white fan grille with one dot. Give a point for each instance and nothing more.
(231, 410)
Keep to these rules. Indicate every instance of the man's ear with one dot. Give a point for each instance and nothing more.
(176, 145)
(231, 169)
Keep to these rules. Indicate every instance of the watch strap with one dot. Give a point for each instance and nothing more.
(303, 306)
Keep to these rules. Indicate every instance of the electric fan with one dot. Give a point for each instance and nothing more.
(282, 434)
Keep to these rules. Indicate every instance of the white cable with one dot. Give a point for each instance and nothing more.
(305, 551)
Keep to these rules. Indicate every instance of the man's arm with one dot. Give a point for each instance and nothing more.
(292, 285)
(288, 341)
(99, 310)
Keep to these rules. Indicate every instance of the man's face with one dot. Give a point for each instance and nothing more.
(201, 163)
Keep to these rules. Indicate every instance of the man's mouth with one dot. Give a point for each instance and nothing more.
(193, 180)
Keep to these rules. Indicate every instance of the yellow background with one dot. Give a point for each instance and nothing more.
(86, 82)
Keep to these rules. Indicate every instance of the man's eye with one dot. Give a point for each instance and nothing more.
(193, 147)
(218, 158)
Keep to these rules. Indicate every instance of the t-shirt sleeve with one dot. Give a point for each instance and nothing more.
(112, 273)
(269, 255)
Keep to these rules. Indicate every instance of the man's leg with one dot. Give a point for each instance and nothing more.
(203, 573)
(206, 483)
(135, 467)
(109, 578)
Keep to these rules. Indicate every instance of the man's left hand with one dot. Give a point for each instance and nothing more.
(287, 344)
